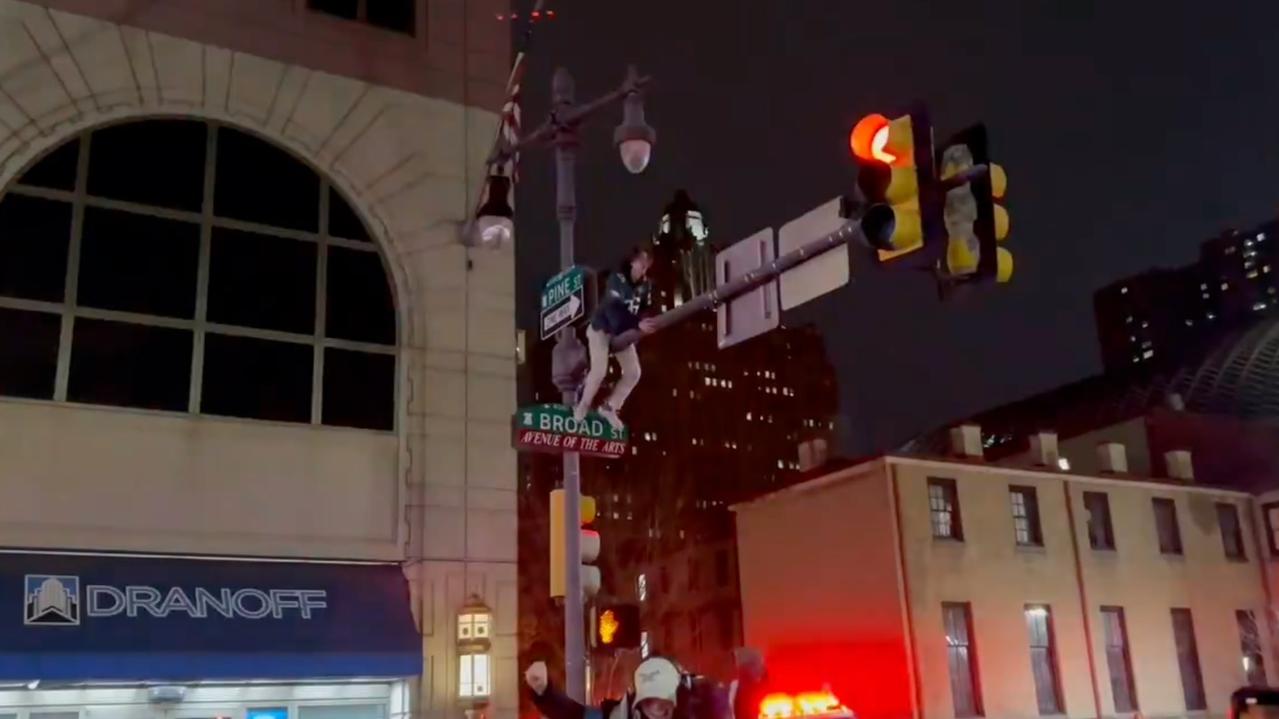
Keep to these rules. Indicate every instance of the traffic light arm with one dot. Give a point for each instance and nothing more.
(740, 286)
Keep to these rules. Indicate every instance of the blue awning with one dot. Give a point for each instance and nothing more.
(109, 618)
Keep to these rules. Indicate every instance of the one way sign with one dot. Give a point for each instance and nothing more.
(564, 300)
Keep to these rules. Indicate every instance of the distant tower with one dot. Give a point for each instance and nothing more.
(684, 264)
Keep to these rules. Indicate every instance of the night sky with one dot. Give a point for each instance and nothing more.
(1130, 130)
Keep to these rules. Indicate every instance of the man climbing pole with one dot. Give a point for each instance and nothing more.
(625, 297)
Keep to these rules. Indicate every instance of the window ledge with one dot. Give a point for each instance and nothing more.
(1032, 549)
(948, 541)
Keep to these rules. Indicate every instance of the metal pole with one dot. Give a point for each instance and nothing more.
(850, 231)
(566, 202)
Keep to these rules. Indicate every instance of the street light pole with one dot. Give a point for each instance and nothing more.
(568, 345)
(634, 139)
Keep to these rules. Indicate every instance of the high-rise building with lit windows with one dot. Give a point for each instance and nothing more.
(1143, 318)
(708, 427)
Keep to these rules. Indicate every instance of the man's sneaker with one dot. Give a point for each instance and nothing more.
(607, 412)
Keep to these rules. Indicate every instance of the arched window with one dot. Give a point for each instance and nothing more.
(187, 266)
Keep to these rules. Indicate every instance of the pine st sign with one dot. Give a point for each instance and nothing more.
(550, 428)
(563, 300)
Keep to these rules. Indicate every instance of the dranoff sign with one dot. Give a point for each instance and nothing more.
(56, 600)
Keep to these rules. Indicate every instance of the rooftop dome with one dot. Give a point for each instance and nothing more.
(1236, 375)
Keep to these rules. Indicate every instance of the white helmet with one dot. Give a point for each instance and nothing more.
(656, 678)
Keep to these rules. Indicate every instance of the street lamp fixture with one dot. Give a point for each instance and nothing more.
(634, 137)
(474, 629)
(495, 220)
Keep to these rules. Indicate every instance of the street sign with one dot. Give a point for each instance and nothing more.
(826, 272)
(563, 300)
(754, 312)
(551, 428)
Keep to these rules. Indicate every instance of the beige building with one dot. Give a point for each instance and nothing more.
(237, 320)
(954, 587)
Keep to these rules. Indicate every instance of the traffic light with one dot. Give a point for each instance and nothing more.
(896, 179)
(616, 626)
(975, 218)
(590, 546)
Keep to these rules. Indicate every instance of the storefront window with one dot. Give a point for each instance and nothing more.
(267, 713)
(343, 711)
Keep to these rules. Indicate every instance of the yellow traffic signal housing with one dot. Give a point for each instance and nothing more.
(974, 216)
(589, 544)
(895, 175)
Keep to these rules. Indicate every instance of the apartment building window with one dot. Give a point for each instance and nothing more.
(694, 632)
(1025, 508)
(1254, 665)
(1166, 525)
(397, 15)
(727, 628)
(964, 689)
(1271, 512)
(943, 505)
(1101, 533)
(722, 573)
(1118, 659)
(1043, 659)
(1231, 531)
(1192, 681)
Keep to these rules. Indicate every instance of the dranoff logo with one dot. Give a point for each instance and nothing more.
(54, 600)
(51, 600)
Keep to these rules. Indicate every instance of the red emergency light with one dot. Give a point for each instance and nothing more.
(805, 704)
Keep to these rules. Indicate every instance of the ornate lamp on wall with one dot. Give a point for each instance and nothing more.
(475, 660)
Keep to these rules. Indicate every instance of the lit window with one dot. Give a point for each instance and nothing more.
(1123, 290)
(1148, 354)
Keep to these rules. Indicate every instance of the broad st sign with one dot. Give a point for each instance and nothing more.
(551, 428)
(564, 300)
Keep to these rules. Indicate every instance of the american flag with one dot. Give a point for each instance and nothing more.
(509, 131)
